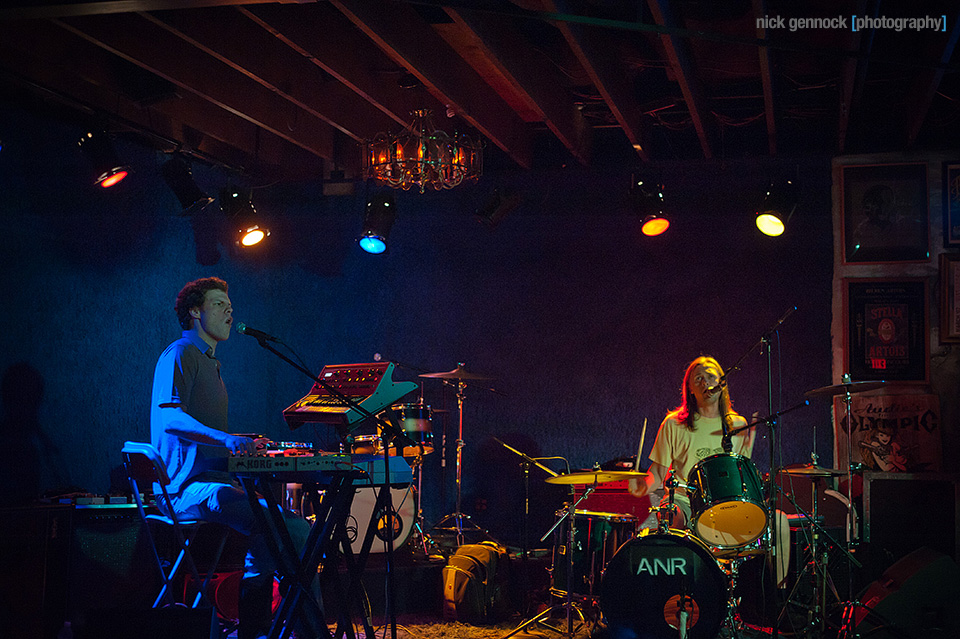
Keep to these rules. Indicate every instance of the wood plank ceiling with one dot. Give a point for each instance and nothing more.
(288, 90)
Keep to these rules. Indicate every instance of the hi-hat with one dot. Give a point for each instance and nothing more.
(458, 373)
(841, 389)
(812, 470)
(595, 477)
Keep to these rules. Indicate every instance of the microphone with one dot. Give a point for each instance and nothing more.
(243, 329)
(716, 389)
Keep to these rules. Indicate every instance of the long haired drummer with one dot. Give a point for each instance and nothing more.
(716, 490)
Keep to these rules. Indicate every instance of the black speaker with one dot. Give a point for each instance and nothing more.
(111, 564)
(906, 511)
(915, 598)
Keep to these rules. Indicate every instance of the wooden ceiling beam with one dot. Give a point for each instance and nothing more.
(349, 56)
(766, 78)
(926, 83)
(86, 86)
(522, 72)
(853, 72)
(411, 43)
(156, 50)
(608, 75)
(244, 46)
(681, 63)
(40, 10)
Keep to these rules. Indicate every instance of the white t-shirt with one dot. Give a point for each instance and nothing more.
(682, 448)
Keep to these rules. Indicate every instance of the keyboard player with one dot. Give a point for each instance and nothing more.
(188, 425)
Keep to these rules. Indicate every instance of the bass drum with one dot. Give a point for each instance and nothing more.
(656, 580)
(362, 516)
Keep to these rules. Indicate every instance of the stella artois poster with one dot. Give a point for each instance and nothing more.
(886, 331)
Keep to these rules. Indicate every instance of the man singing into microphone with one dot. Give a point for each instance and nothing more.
(188, 425)
(693, 432)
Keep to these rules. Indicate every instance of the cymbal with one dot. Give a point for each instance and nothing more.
(811, 470)
(458, 373)
(840, 389)
(594, 476)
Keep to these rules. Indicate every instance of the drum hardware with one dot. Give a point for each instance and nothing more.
(458, 375)
(526, 462)
(817, 566)
(847, 388)
(569, 606)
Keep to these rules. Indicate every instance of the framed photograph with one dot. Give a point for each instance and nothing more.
(951, 204)
(886, 329)
(949, 298)
(885, 216)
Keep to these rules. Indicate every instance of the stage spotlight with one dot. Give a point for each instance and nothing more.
(106, 165)
(237, 205)
(178, 176)
(779, 203)
(649, 198)
(377, 222)
(654, 225)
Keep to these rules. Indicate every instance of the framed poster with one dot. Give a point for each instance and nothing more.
(885, 216)
(886, 329)
(951, 204)
(949, 298)
(890, 433)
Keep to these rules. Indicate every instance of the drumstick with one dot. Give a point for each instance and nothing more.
(643, 435)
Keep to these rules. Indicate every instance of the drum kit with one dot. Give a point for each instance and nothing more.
(667, 582)
(415, 420)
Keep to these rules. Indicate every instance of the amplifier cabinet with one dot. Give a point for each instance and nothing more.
(906, 511)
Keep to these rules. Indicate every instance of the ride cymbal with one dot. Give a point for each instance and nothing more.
(841, 389)
(595, 476)
(811, 470)
(458, 373)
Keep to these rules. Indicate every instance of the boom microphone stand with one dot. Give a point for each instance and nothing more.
(765, 347)
(389, 431)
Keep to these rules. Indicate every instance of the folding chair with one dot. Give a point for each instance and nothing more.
(145, 467)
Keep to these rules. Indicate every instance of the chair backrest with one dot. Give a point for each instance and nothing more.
(144, 464)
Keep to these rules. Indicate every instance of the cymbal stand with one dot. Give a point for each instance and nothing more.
(457, 517)
(569, 605)
(818, 566)
(849, 611)
(423, 541)
(527, 462)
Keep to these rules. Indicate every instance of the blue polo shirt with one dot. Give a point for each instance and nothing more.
(188, 375)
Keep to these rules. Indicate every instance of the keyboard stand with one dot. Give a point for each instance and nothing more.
(298, 570)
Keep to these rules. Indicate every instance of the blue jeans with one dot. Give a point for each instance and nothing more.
(229, 505)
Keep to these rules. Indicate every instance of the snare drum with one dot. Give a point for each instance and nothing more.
(727, 501)
(596, 539)
(655, 581)
(365, 445)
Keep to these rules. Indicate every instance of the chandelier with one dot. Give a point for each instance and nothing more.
(422, 156)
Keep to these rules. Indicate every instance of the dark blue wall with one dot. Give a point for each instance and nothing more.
(585, 325)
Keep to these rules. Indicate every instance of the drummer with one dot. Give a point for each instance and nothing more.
(693, 432)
